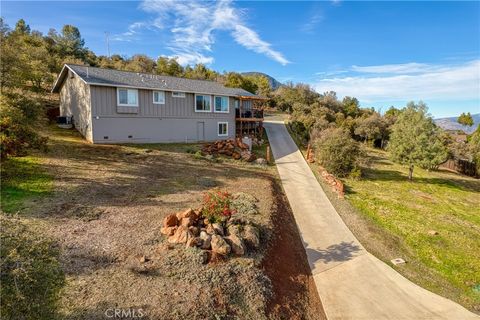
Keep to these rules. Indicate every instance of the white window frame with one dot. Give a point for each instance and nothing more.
(178, 94)
(153, 97)
(195, 102)
(126, 104)
(226, 127)
(215, 107)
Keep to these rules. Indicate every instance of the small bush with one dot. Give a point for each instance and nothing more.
(30, 273)
(244, 204)
(356, 173)
(20, 116)
(300, 131)
(217, 205)
(198, 155)
(337, 152)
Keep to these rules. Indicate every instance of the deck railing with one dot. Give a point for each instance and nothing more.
(250, 113)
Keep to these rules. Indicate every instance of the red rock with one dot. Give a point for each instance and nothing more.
(251, 236)
(186, 222)
(169, 231)
(220, 246)
(194, 242)
(194, 230)
(237, 245)
(189, 213)
(181, 235)
(170, 220)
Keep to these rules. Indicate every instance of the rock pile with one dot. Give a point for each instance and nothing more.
(337, 185)
(190, 228)
(232, 148)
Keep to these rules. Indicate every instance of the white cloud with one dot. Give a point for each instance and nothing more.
(192, 25)
(401, 68)
(310, 25)
(133, 30)
(412, 81)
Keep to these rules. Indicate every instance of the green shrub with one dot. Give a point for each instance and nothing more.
(30, 273)
(217, 205)
(244, 203)
(337, 152)
(300, 131)
(19, 119)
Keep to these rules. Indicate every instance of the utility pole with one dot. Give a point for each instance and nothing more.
(108, 43)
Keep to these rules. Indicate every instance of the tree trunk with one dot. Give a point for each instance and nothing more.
(410, 172)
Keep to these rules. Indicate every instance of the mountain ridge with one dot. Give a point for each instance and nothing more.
(274, 83)
(450, 123)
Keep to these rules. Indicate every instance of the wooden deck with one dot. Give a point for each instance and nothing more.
(249, 119)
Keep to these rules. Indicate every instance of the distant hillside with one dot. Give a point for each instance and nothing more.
(273, 82)
(452, 124)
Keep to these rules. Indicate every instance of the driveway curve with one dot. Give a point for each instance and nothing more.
(351, 282)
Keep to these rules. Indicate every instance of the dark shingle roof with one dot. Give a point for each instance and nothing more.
(117, 78)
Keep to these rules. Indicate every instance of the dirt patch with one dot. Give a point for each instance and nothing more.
(294, 292)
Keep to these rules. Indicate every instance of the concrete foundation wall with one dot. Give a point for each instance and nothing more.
(157, 130)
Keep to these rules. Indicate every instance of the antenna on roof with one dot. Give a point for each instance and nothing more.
(108, 44)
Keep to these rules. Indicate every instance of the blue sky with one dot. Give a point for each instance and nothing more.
(384, 53)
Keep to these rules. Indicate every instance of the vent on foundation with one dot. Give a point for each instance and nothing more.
(105, 137)
(130, 137)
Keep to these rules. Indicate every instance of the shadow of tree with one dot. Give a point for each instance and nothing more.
(343, 251)
(452, 181)
(118, 175)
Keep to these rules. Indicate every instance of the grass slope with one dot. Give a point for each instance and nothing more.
(435, 201)
(23, 180)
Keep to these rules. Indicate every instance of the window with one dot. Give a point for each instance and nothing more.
(178, 94)
(158, 97)
(237, 104)
(127, 97)
(202, 103)
(221, 104)
(223, 129)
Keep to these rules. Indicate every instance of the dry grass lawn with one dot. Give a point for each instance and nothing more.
(106, 210)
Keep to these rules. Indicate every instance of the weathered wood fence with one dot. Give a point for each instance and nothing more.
(462, 166)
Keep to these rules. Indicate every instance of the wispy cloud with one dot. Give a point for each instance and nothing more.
(192, 26)
(411, 81)
(132, 31)
(311, 24)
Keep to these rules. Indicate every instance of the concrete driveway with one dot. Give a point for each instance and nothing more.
(351, 282)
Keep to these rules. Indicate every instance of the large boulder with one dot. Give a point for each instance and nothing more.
(215, 228)
(168, 231)
(189, 213)
(181, 235)
(251, 236)
(237, 245)
(248, 156)
(233, 229)
(170, 221)
(187, 221)
(220, 246)
(206, 240)
(194, 230)
(194, 242)
(261, 161)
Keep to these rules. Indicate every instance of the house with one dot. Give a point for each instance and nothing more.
(112, 106)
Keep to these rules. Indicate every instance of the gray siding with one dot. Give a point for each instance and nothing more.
(174, 121)
(75, 101)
